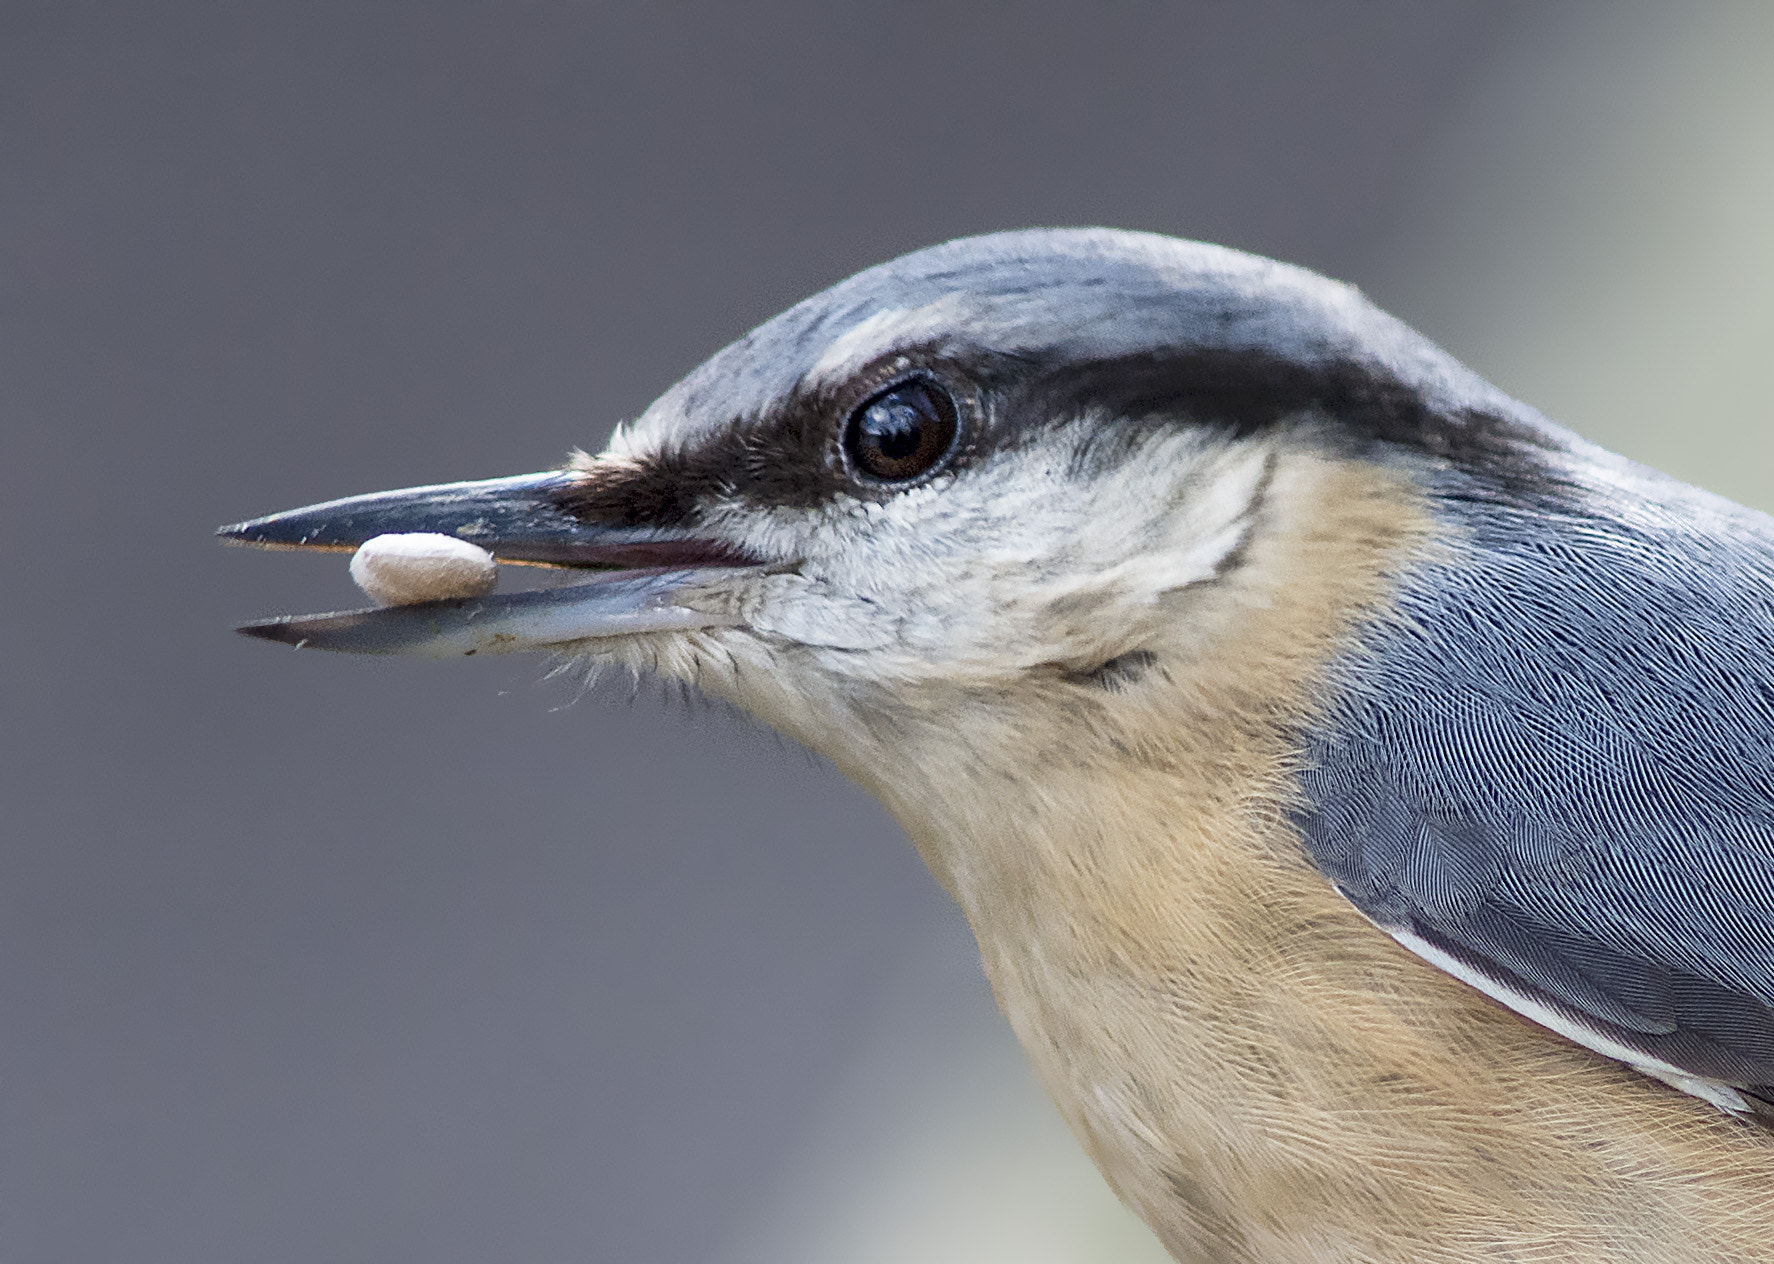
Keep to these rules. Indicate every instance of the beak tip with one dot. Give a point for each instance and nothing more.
(254, 531)
(279, 630)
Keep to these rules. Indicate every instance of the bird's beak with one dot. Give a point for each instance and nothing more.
(650, 576)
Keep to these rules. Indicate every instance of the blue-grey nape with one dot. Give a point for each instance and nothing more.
(1556, 764)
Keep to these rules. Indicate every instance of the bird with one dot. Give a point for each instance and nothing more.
(1359, 787)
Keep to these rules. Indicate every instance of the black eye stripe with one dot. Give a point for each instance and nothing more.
(791, 458)
(902, 432)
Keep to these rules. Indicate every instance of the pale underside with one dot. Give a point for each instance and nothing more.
(1258, 1070)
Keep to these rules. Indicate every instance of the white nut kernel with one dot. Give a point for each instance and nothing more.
(398, 570)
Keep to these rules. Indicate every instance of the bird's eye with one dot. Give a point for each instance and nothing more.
(902, 432)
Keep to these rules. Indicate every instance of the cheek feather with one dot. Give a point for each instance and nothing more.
(1010, 565)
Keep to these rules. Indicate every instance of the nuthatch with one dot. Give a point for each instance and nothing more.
(1361, 790)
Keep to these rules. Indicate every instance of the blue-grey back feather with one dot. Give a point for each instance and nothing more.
(1555, 761)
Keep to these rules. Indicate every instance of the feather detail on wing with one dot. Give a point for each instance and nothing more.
(1550, 772)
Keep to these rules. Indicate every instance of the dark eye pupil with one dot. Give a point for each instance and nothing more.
(903, 432)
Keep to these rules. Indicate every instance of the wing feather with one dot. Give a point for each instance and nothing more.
(1552, 767)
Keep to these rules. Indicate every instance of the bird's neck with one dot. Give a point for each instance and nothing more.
(1125, 857)
(1024, 796)
(1261, 1073)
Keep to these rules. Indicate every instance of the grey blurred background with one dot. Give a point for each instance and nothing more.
(307, 958)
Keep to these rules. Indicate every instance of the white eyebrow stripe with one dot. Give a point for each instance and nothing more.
(893, 327)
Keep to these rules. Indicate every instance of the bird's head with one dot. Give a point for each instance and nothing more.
(1025, 485)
